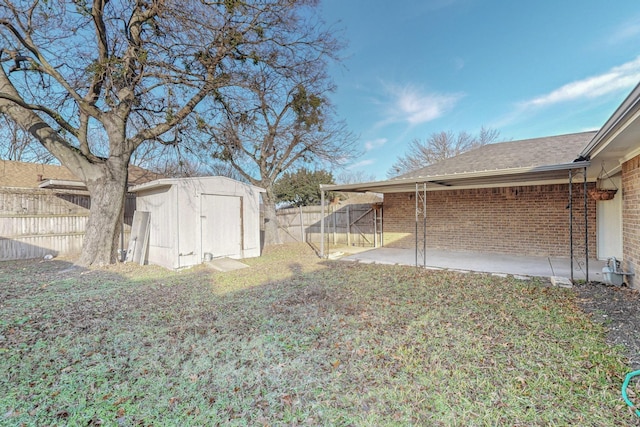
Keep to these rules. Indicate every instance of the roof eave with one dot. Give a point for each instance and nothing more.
(63, 183)
(622, 113)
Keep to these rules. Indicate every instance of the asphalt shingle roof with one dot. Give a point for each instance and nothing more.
(30, 175)
(546, 151)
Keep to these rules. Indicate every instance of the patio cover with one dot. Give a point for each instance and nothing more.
(539, 161)
(534, 161)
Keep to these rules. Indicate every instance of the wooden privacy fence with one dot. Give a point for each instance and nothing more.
(37, 222)
(351, 225)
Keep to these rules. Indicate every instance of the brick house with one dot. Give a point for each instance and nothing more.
(529, 197)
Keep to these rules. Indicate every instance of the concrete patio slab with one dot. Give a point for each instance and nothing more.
(516, 265)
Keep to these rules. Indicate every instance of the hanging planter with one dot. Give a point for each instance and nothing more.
(600, 193)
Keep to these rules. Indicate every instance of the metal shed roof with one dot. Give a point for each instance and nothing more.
(165, 182)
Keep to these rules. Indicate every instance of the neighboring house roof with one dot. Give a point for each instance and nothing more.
(36, 175)
(360, 199)
(537, 152)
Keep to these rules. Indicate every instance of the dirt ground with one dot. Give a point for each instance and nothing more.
(618, 308)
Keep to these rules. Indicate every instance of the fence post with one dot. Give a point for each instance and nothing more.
(375, 228)
(348, 227)
(302, 236)
(333, 215)
(321, 223)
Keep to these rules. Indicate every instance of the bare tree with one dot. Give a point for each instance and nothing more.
(281, 119)
(439, 146)
(354, 177)
(131, 72)
(17, 145)
(171, 161)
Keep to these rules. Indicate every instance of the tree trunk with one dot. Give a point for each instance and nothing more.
(107, 188)
(271, 235)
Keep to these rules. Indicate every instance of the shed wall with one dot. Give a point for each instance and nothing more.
(187, 207)
(176, 223)
(527, 220)
(162, 225)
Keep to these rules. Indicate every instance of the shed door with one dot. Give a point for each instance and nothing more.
(221, 225)
(609, 215)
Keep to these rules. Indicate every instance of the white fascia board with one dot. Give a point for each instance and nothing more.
(62, 183)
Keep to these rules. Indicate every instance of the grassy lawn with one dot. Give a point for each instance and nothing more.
(298, 341)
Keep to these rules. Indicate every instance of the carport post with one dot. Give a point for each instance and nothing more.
(586, 226)
(421, 208)
(571, 222)
(416, 197)
(322, 223)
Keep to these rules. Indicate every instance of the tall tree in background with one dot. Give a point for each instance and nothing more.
(130, 72)
(354, 177)
(282, 119)
(302, 187)
(439, 146)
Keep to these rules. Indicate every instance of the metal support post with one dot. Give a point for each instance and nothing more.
(381, 226)
(586, 226)
(421, 222)
(417, 212)
(571, 222)
(322, 224)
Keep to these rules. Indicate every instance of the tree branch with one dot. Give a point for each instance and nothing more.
(47, 68)
(39, 129)
(54, 115)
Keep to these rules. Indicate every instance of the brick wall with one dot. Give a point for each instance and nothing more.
(631, 217)
(527, 220)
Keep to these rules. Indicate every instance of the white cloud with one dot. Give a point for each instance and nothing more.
(410, 104)
(625, 32)
(361, 163)
(375, 143)
(458, 63)
(624, 76)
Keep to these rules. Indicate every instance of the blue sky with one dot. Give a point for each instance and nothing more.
(527, 69)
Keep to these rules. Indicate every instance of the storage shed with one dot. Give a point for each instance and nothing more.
(195, 219)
